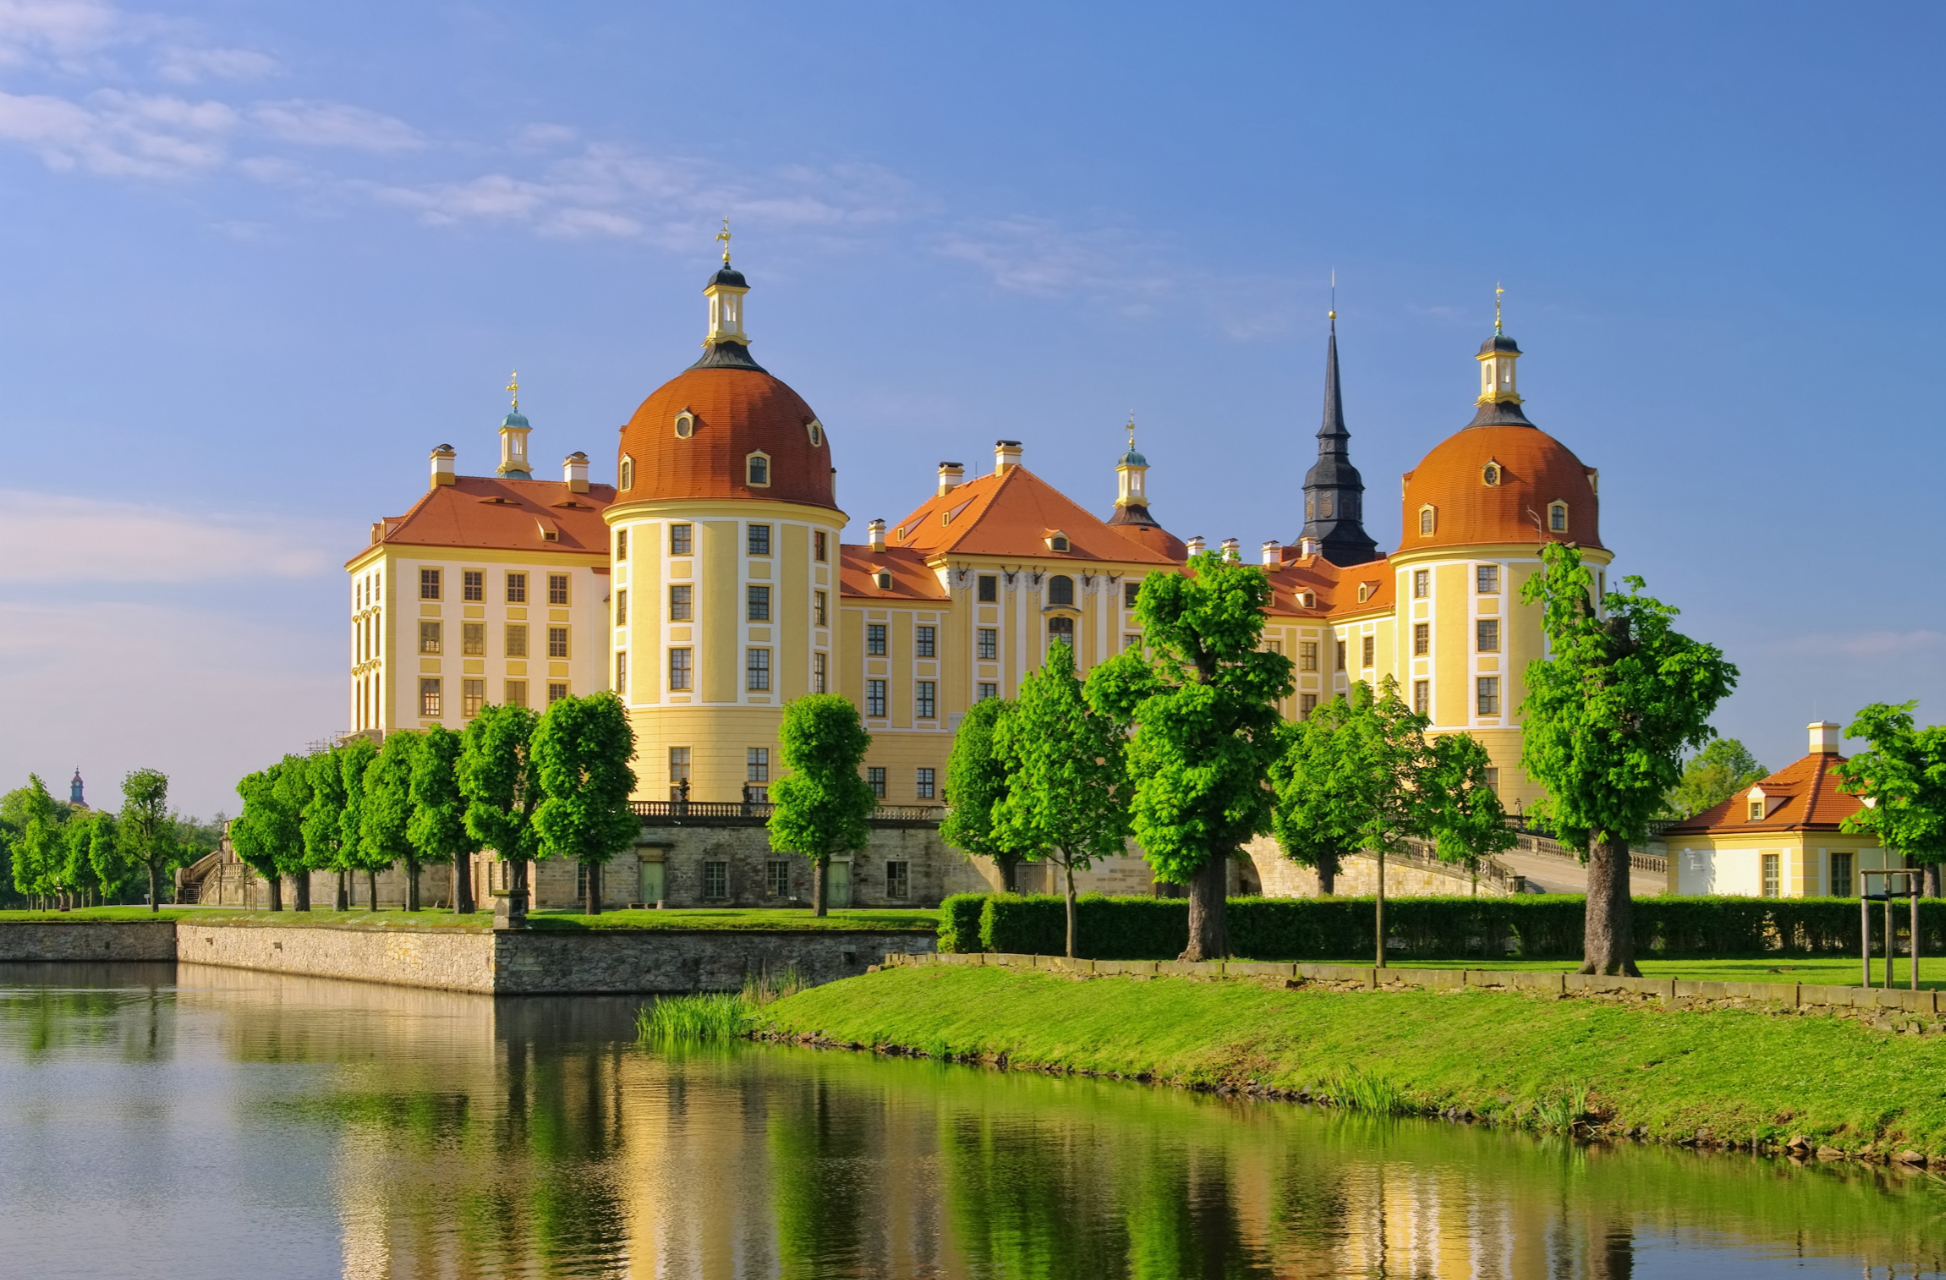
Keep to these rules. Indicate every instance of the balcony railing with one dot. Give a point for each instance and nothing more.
(718, 810)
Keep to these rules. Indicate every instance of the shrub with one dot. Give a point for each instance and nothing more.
(959, 921)
(699, 1019)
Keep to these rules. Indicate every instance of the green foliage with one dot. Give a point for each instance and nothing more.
(821, 805)
(1463, 819)
(113, 871)
(322, 788)
(1203, 703)
(437, 828)
(501, 787)
(1721, 769)
(581, 752)
(355, 758)
(258, 828)
(1532, 926)
(976, 784)
(1368, 1092)
(1904, 773)
(35, 817)
(1611, 710)
(146, 830)
(386, 814)
(698, 1019)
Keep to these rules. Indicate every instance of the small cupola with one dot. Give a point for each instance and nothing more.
(1497, 357)
(1132, 474)
(725, 292)
(513, 438)
(574, 471)
(444, 462)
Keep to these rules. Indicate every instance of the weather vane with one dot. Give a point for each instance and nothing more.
(1497, 291)
(513, 388)
(724, 236)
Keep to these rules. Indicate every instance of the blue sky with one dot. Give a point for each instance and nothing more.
(256, 259)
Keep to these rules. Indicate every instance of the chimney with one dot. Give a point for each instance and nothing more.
(1309, 546)
(443, 461)
(1824, 738)
(1006, 453)
(1273, 554)
(574, 470)
(950, 475)
(1195, 545)
(1232, 550)
(875, 535)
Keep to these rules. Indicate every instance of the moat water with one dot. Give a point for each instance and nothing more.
(164, 1121)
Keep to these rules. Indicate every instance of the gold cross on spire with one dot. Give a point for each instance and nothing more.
(1497, 291)
(724, 236)
(1131, 430)
(513, 388)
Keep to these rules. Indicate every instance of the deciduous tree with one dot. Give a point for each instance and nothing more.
(254, 831)
(821, 805)
(976, 784)
(1721, 769)
(438, 826)
(354, 759)
(1608, 715)
(291, 786)
(113, 871)
(502, 790)
(384, 823)
(1903, 773)
(35, 817)
(147, 830)
(581, 751)
(1203, 703)
(1067, 791)
(323, 820)
(1465, 821)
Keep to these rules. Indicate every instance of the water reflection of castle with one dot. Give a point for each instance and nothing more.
(480, 1137)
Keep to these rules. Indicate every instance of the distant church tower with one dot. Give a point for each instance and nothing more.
(1334, 493)
(74, 790)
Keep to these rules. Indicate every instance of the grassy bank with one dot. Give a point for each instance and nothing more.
(1666, 1075)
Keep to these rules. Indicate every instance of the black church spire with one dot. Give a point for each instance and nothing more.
(1334, 492)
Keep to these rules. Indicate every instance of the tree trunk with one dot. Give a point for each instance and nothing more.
(276, 883)
(1608, 940)
(817, 886)
(343, 900)
(371, 890)
(301, 890)
(593, 903)
(1069, 867)
(517, 889)
(1328, 873)
(1932, 880)
(1378, 924)
(463, 884)
(411, 885)
(155, 890)
(1209, 933)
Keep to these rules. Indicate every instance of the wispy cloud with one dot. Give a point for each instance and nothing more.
(335, 124)
(180, 64)
(1037, 256)
(63, 32)
(51, 538)
(1863, 644)
(119, 134)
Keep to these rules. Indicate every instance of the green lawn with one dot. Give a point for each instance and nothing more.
(915, 921)
(1509, 1057)
(759, 919)
(1837, 971)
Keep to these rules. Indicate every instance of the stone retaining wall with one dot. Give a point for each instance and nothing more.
(1792, 994)
(30, 940)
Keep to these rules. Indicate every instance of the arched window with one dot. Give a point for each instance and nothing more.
(1557, 517)
(1060, 589)
(685, 425)
(815, 430)
(628, 472)
(1426, 521)
(757, 470)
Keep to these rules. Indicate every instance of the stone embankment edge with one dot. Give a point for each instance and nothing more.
(1796, 995)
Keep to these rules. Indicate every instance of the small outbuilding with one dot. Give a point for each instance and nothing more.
(1780, 837)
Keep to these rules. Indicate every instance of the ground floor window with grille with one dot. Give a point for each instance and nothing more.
(923, 788)
(516, 693)
(875, 700)
(716, 880)
(777, 878)
(1841, 875)
(678, 771)
(1489, 695)
(556, 692)
(1771, 876)
(988, 689)
(875, 779)
(925, 700)
(898, 880)
(429, 699)
(472, 695)
(757, 671)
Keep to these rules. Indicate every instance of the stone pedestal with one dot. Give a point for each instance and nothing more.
(509, 910)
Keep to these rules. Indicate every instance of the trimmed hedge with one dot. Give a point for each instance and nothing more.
(1539, 926)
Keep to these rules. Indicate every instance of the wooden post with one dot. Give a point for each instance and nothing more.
(1912, 882)
(1891, 945)
(1864, 934)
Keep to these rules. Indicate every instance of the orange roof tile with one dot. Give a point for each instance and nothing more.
(858, 568)
(1812, 801)
(1535, 470)
(1010, 514)
(487, 512)
(1335, 587)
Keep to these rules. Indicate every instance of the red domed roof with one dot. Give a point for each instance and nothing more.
(1533, 470)
(738, 410)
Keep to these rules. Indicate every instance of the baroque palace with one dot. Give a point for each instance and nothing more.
(708, 585)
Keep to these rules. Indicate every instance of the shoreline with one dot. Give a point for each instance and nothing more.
(1603, 1067)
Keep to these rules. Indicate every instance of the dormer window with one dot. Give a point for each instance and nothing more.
(1058, 541)
(1756, 811)
(756, 470)
(1307, 600)
(883, 579)
(685, 425)
(1490, 474)
(628, 473)
(1557, 517)
(815, 430)
(1364, 592)
(1427, 521)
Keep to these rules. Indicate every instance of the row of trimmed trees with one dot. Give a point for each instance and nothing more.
(65, 856)
(1180, 745)
(526, 785)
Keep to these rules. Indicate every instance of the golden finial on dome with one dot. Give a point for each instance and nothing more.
(1333, 313)
(513, 389)
(1131, 430)
(724, 236)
